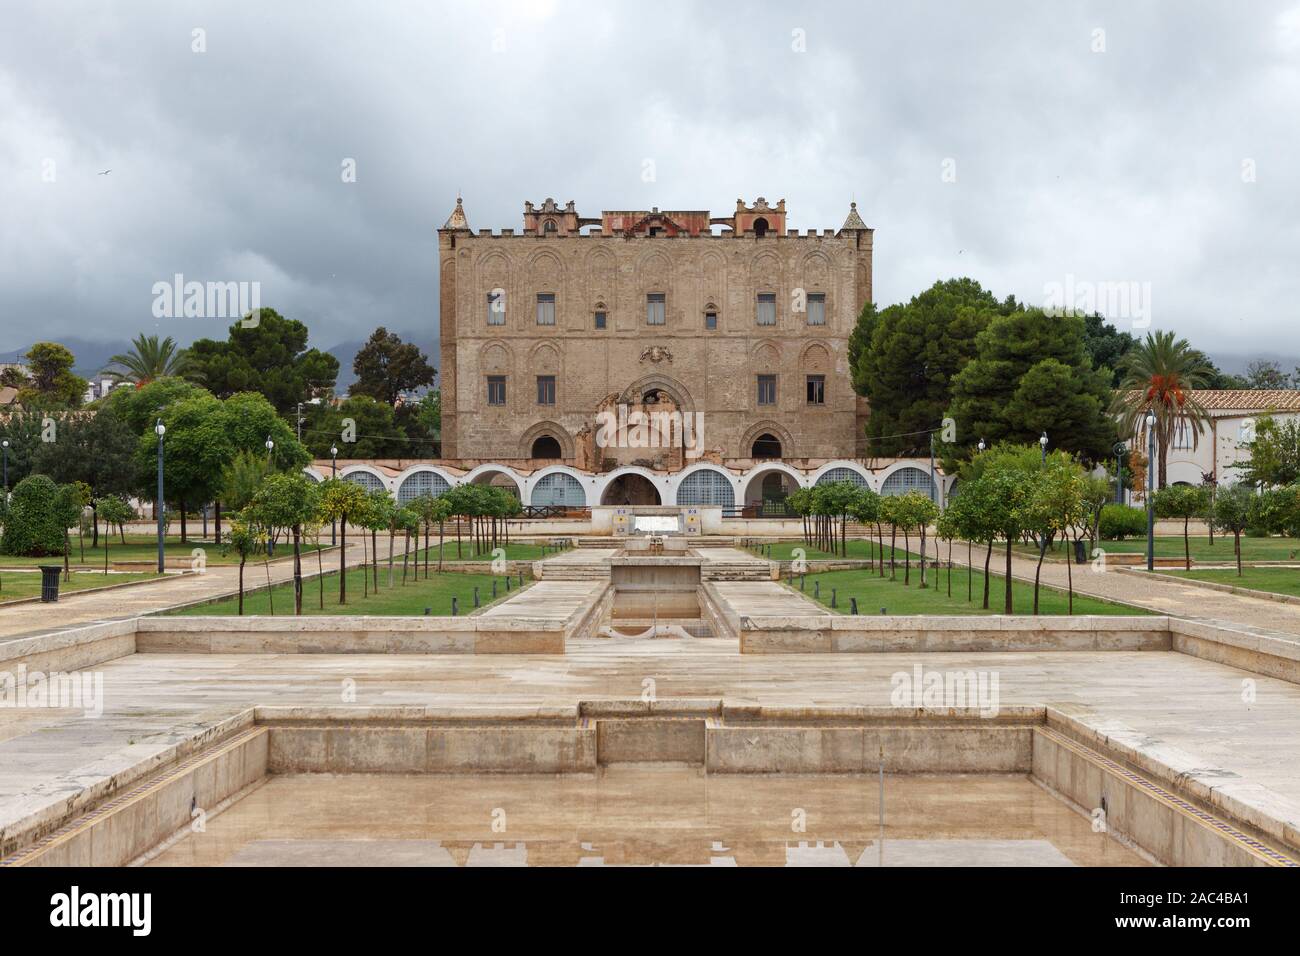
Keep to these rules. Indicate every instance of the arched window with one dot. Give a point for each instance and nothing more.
(908, 479)
(366, 480)
(706, 487)
(842, 474)
(546, 446)
(549, 226)
(559, 488)
(760, 227)
(421, 483)
(766, 446)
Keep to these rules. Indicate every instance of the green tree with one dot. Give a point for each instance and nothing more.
(148, 359)
(339, 501)
(33, 522)
(914, 510)
(1032, 374)
(246, 538)
(360, 427)
(1273, 454)
(1161, 374)
(139, 407)
(1185, 502)
(905, 357)
(1052, 505)
(1232, 513)
(50, 382)
(97, 450)
(1107, 346)
(386, 367)
(287, 502)
(270, 357)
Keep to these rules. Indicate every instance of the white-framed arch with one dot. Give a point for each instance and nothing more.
(904, 476)
(760, 471)
(366, 476)
(479, 475)
(657, 481)
(684, 478)
(529, 485)
(421, 479)
(867, 476)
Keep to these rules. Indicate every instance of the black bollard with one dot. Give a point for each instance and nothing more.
(427, 611)
(853, 605)
(454, 606)
(801, 582)
(476, 604)
(833, 597)
(817, 589)
(883, 611)
(494, 589)
(507, 584)
(521, 578)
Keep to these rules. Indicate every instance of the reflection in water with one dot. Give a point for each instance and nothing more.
(630, 816)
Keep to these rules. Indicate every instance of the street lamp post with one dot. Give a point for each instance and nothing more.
(982, 445)
(1151, 490)
(933, 488)
(299, 417)
(334, 470)
(160, 429)
(1119, 450)
(270, 447)
(5, 443)
(1042, 442)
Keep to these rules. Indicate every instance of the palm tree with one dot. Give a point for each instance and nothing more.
(149, 359)
(1161, 374)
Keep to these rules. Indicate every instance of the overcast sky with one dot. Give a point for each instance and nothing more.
(1021, 143)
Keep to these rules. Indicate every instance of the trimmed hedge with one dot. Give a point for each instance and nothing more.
(34, 521)
(1121, 521)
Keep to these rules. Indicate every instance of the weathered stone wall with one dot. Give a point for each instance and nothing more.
(709, 371)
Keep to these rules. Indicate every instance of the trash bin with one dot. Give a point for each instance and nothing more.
(50, 582)
(1080, 552)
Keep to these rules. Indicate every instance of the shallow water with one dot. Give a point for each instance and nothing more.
(647, 815)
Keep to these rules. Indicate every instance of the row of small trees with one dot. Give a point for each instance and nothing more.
(1232, 510)
(295, 507)
(39, 516)
(1009, 494)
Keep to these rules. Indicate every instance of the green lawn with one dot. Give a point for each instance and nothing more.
(784, 550)
(1277, 580)
(25, 584)
(874, 593)
(1252, 549)
(141, 547)
(412, 598)
(515, 551)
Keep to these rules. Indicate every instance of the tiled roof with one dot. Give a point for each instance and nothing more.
(1248, 399)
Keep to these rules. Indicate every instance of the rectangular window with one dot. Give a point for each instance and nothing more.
(654, 308)
(496, 307)
(767, 308)
(816, 389)
(545, 308)
(767, 390)
(600, 320)
(546, 390)
(711, 321)
(816, 308)
(496, 389)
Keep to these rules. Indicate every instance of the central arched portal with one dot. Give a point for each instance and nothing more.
(631, 489)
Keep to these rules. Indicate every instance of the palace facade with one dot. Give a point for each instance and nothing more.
(559, 339)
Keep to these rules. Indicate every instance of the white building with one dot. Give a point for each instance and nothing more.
(1233, 413)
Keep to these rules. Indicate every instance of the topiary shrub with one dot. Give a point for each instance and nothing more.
(1121, 521)
(34, 522)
